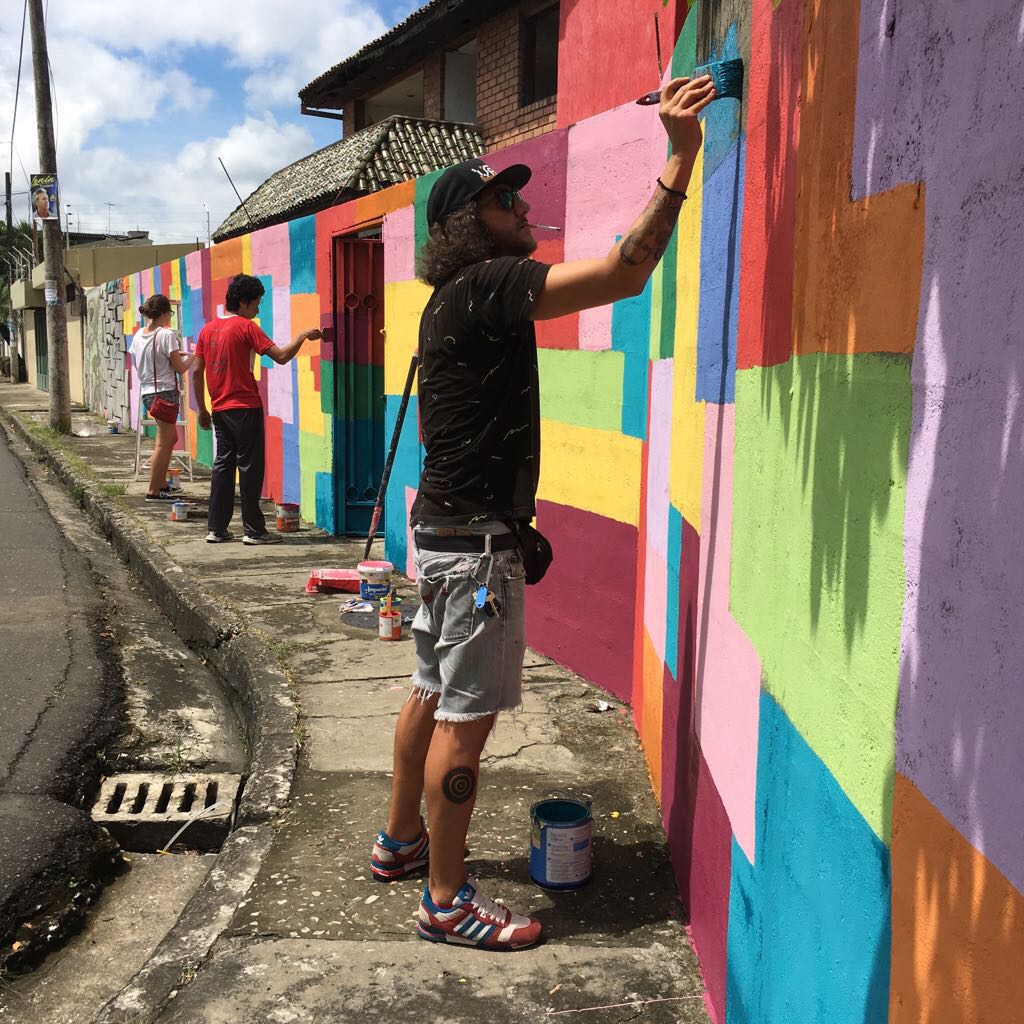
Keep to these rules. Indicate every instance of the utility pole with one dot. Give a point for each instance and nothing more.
(209, 241)
(13, 317)
(53, 251)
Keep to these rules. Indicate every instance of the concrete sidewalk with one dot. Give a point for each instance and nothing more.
(314, 938)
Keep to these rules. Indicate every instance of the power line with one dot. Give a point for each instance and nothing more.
(17, 87)
(53, 85)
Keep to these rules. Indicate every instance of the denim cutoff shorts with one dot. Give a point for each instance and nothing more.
(474, 660)
(169, 396)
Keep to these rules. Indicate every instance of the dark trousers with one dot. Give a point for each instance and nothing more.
(240, 445)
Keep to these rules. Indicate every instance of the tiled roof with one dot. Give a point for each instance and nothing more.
(393, 150)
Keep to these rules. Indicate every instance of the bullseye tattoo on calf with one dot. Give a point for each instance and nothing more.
(459, 785)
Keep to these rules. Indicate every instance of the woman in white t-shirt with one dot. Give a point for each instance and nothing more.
(157, 342)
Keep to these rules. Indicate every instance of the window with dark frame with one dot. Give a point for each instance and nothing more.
(539, 79)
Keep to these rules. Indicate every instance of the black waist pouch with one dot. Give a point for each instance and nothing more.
(534, 550)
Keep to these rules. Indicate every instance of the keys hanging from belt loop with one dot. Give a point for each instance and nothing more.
(489, 555)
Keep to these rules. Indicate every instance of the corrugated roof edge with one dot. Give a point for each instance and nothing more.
(403, 26)
(237, 222)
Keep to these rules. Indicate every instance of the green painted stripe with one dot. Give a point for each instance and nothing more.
(582, 388)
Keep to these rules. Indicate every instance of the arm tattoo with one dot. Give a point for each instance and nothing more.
(649, 237)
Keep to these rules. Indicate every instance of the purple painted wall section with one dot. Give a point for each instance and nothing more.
(940, 93)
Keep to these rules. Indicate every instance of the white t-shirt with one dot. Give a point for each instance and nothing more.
(165, 341)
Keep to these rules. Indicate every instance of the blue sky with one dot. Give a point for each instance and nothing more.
(146, 104)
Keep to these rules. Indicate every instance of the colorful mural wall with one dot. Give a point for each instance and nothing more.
(801, 454)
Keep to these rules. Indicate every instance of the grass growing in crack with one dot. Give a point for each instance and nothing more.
(55, 439)
(113, 490)
(182, 753)
(281, 649)
(77, 492)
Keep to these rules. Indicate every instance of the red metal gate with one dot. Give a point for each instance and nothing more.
(359, 380)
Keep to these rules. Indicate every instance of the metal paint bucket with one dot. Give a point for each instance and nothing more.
(288, 517)
(174, 479)
(389, 625)
(113, 426)
(560, 843)
(179, 512)
(374, 579)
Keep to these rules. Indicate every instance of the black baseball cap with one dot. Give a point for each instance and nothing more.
(464, 182)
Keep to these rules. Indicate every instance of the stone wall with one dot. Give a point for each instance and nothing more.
(106, 378)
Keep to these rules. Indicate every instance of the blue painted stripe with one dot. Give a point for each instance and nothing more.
(675, 557)
(809, 927)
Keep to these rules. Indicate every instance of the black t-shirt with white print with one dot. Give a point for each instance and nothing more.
(478, 396)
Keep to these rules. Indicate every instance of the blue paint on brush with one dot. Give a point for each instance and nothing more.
(726, 74)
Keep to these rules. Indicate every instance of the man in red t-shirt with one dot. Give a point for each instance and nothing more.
(223, 362)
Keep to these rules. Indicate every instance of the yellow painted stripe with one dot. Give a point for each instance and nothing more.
(686, 471)
(595, 470)
(311, 416)
(403, 305)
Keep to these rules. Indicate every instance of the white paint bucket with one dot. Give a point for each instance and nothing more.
(374, 579)
(179, 512)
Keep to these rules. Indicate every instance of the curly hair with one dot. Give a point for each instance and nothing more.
(461, 240)
(243, 288)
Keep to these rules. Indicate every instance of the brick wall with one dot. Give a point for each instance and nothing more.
(433, 86)
(502, 120)
(349, 126)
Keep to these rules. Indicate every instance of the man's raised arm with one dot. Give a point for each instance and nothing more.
(625, 271)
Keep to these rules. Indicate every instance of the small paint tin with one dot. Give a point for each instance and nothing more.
(560, 844)
(114, 426)
(389, 626)
(179, 512)
(374, 579)
(288, 520)
(174, 479)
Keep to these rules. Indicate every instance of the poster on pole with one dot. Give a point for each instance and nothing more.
(43, 194)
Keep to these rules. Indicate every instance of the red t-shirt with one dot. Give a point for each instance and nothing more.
(226, 346)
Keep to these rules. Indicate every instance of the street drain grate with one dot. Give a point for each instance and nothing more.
(144, 811)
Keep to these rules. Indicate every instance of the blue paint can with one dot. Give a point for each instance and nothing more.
(560, 844)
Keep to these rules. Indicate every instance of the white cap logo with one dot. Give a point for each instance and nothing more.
(483, 171)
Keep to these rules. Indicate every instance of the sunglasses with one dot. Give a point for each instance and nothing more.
(506, 198)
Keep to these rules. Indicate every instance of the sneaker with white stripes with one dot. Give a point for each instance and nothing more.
(474, 920)
(391, 859)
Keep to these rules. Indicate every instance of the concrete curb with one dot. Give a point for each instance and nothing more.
(243, 663)
(262, 697)
(175, 961)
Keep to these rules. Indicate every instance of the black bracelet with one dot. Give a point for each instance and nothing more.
(671, 191)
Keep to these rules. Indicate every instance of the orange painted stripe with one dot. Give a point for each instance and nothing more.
(957, 923)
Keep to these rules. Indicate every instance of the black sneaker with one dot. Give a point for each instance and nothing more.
(163, 496)
(213, 537)
(263, 538)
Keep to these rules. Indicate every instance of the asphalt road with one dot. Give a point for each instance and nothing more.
(58, 700)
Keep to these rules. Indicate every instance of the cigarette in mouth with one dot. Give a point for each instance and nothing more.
(546, 227)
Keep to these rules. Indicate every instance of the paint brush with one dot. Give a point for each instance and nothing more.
(545, 227)
(727, 76)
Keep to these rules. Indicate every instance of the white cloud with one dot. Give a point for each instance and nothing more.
(167, 196)
(116, 64)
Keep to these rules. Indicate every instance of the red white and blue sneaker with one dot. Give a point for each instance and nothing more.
(474, 920)
(391, 859)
